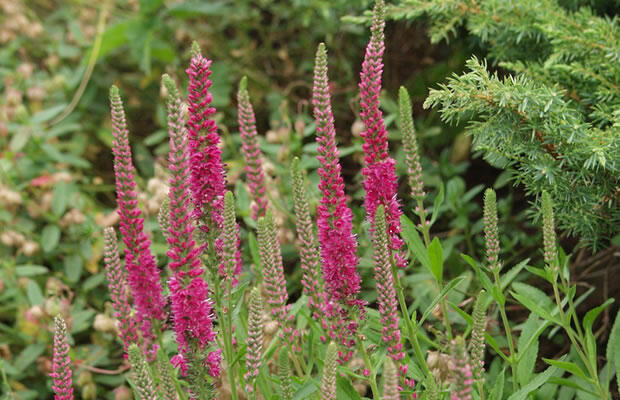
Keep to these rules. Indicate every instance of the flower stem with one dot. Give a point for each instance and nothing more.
(425, 227)
(502, 311)
(577, 343)
(413, 339)
(228, 341)
(373, 375)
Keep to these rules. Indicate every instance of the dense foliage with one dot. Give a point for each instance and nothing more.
(553, 119)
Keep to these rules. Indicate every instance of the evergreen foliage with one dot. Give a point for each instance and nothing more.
(554, 120)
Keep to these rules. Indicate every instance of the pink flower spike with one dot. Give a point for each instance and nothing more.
(380, 180)
(208, 178)
(117, 286)
(375, 135)
(142, 271)
(337, 242)
(251, 151)
(191, 308)
(61, 367)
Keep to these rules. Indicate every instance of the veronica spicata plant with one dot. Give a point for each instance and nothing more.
(205, 327)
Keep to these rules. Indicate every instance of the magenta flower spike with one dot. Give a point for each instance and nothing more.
(208, 178)
(337, 242)
(117, 285)
(191, 307)
(61, 367)
(251, 151)
(142, 272)
(380, 180)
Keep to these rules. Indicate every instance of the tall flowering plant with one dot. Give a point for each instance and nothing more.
(200, 328)
(207, 177)
(191, 306)
(143, 275)
(380, 180)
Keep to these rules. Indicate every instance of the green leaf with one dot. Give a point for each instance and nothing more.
(570, 383)
(73, 267)
(412, 237)
(451, 285)
(254, 252)
(591, 315)
(306, 391)
(539, 272)
(60, 197)
(34, 293)
(468, 318)
(588, 321)
(345, 390)
(82, 320)
(93, 281)
(534, 338)
(197, 8)
(60, 157)
(534, 300)
(222, 84)
(150, 6)
(50, 236)
(47, 114)
(19, 140)
(484, 279)
(527, 352)
(534, 384)
(508, 277)
(498, 388)
(30, 270)
(491, 341)
(28, 356)
(613, 347)
(567, 366)
(437, 203)
(435, 256)
(243, 199)
(114, 37)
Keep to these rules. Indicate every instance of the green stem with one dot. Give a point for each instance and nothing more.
(444, 311)
(423, 223)
(228, 342)
(302, 363)
(372, 378)
(578, 347)
(502, 311)
(296, 363)
(413, 339)
(425, 228)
